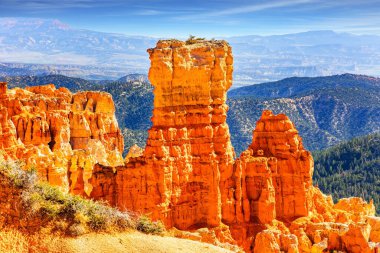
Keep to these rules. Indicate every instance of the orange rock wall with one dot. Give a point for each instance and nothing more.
(263, 201)
(61, 134)
(177, 177)
(187, 175)
(273, 176)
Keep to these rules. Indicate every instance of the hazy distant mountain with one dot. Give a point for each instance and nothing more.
(72, 83)
(51, 42)
(316, 53)
(133, 78)
(293, 86)
(47, 46)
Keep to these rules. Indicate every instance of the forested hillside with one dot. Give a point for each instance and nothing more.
(325, 110)
(350, 169)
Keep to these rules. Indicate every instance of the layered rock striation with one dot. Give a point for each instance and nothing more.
(62, 135)
(187, 176)
(273, 177)
(177, 177)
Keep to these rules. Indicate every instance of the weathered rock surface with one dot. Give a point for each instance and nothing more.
(188, 148)
(62, 135)
(187, 176)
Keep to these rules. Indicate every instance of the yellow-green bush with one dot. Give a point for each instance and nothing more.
(73, 214)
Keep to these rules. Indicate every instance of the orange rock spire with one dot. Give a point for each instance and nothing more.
(276, 172)
(177, 178)
(187, 176)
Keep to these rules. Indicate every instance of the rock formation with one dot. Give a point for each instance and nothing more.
(273, 177)
(187, 176)
(273, 182)
(62, 135)
(188, 148)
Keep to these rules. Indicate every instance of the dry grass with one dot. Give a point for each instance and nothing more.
(13, 241)
(69, 214)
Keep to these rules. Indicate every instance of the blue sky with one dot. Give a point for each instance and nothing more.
(209, 18)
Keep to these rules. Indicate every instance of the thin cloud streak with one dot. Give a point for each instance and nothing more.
(259, 7)
(248, 9)
(62, 4)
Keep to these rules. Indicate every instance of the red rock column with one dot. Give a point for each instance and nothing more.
(276, 173)
(188, 147)
(3, 88)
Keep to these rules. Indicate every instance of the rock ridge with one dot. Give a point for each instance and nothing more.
(62, 135)
(188, 175)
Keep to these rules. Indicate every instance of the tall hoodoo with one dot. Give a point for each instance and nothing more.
(189, 146)
(276, 172)
(187, 175)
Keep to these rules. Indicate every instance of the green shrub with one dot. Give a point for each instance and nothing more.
(192, 40)
(20, 178)
(53, 205)
(146, 225)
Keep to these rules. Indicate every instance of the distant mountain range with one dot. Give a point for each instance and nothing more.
(326, 110)
(72, 83)
(42, 47)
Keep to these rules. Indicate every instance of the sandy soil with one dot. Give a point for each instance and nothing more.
(129, 242)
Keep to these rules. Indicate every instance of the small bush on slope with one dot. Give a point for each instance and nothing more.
(68, 213)
(144, 224)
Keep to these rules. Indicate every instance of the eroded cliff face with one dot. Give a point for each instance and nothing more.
(62, 135)
(188, 147)
(188, 178)
(273, 176)
(276, 207)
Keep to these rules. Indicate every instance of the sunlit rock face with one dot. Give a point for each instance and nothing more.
(188, 148)
(62, 135)
(187, 176)
(274, 175)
